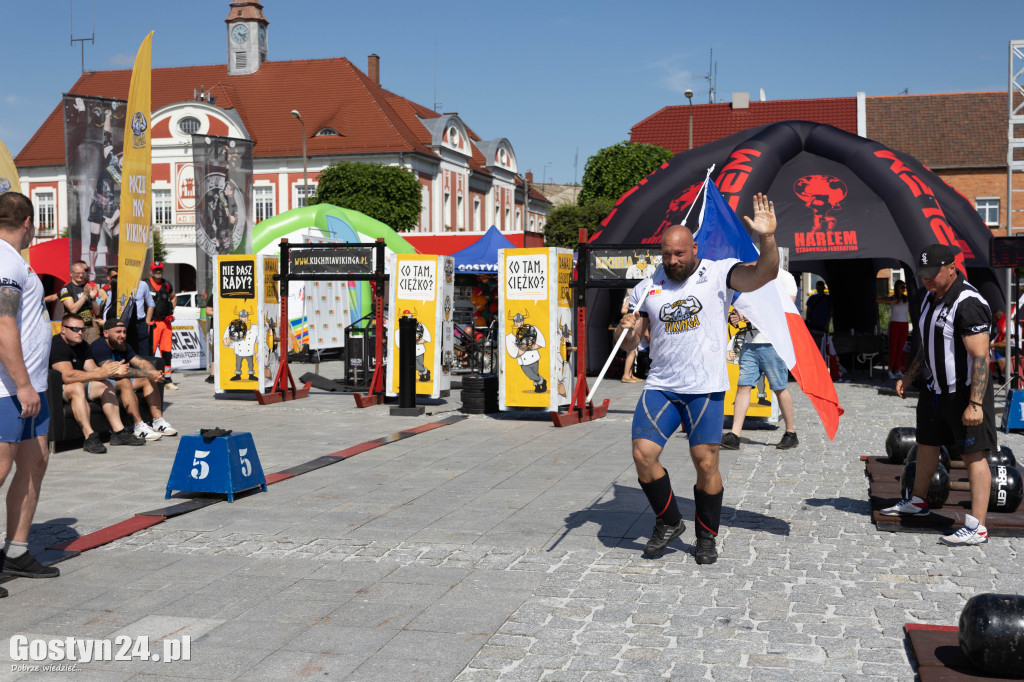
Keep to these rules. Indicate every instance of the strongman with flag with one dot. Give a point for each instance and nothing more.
(683, 306)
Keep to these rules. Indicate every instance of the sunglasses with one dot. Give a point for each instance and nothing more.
(75, 329)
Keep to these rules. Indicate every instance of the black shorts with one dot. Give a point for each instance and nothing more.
(940, 421)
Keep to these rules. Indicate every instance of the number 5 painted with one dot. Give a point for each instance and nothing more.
(203, 469)
(246, 464)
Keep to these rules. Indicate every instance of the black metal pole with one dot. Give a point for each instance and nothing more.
(407, 369)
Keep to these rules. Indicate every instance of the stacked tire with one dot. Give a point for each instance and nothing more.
(479, 393)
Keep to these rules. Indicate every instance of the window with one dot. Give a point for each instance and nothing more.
(425, 209)
(162, 207)
(446, 211)
(475, 224)
(326, 131)
(460, 213)
(46, 211)
(988, 209)
(519, 219)
(189, 125)
(301, 192)
(263, 202)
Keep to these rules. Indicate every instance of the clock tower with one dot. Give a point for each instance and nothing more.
(247, 37)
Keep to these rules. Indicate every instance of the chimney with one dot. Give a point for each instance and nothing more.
(529, 177)
(373, 68)
(741, 100)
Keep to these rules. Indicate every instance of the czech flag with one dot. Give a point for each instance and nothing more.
(770, 309)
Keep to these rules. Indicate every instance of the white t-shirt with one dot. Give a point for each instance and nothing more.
(687, 322)
(899, 312)
(33, 320)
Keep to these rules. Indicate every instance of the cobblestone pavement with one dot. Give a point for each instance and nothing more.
(506, 549)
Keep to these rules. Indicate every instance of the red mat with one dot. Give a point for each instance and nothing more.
(884, 490)
(939, 659)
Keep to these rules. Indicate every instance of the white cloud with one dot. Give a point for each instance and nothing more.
(121, 60)
(15, 100)
(675, 78)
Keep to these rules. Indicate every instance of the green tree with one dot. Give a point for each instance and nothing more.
(613, 170)
(159, 248)
(566, 221)
(389, 194)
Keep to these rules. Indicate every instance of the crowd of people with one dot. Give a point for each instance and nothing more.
(677, 311)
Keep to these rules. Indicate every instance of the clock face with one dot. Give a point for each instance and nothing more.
(263, 37)
(240, 33)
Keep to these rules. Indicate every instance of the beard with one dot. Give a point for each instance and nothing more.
(120, 347)
(680, 271)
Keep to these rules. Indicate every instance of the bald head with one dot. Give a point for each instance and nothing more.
(678, 252)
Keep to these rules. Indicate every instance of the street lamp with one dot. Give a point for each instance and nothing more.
(689, 96)
(305, 172)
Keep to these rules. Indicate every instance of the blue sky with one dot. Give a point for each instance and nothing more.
(553, 77)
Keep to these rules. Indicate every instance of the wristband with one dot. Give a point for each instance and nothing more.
(976, 403)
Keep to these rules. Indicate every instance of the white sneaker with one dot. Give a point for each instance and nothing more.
(907, 507)
(967, 536)
(170, 385)
(143, 430)
(162, 427)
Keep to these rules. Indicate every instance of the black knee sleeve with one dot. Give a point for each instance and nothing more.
(707, 513)
(663, 501)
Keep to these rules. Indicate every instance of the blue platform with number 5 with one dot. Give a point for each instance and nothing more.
(223, 464)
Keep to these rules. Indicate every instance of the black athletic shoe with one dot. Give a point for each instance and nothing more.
(93, 444)
(663, 534)
(126, 437)
(26, 566)
(3, 592)
(252, 377)
(209, 379)
(706, 552)
(789, 440)
(731, 441)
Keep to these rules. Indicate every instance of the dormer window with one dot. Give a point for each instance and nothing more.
(327, 131)
(454, 137)
(189, 125)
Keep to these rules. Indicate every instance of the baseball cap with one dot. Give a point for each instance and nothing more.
(113, 322)
(934, 257)
(156, 265)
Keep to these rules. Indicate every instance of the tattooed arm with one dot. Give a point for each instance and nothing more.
(11, 353)
(977, 349)
(910, 374)
(144, 369)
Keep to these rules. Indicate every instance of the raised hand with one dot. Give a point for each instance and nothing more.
(764, 216)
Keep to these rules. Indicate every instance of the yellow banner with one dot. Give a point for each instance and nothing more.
(9, 181)
(136, 172)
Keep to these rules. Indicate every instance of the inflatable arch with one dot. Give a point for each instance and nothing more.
(847, 207)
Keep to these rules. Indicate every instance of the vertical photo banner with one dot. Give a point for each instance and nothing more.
(135, 215)
(223, 191)
(93, 149)
(420, 285)
(564, 362)
(530, 351)
(237, 336)
(270, 322)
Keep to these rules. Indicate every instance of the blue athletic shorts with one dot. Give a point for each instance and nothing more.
(759, 358)
(659, 413)
(14, 429)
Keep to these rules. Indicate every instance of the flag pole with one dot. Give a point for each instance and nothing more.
(643, 297)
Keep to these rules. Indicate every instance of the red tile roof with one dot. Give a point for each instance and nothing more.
(954, 130)
(670, 127)
(328, 92)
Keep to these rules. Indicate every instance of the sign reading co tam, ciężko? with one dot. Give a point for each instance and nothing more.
(423, 286)
(535, 328)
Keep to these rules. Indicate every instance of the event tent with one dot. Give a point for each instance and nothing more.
(481, 257)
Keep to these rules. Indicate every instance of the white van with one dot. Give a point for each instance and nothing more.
(186, 307)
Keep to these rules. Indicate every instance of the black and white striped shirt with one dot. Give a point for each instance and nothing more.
(943, 324)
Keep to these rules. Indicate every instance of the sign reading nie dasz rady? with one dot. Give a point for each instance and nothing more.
(346, 261)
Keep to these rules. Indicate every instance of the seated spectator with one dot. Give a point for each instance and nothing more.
(84, 380)
(82, 297)
(141, 374)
